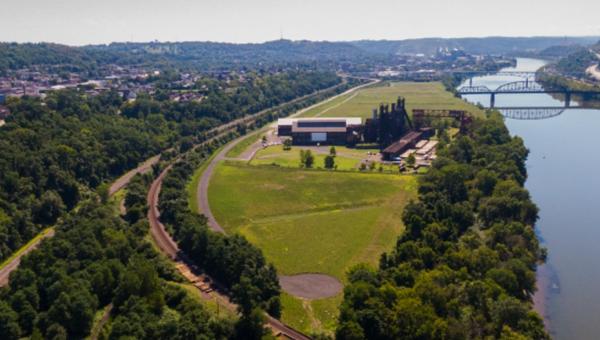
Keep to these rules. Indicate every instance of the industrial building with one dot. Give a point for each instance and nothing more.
(326, 131)
(409, 141)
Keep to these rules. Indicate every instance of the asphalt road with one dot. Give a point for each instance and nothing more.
(169, 247)
(202, 190)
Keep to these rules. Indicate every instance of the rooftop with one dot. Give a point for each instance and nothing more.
(305, 122)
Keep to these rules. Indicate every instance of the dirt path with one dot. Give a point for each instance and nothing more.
(98, 328)
(14, 264)
(122, 181)
(117, 185)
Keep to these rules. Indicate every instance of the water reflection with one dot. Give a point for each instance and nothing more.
(562, 168)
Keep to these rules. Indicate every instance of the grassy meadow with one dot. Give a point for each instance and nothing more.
(311, 221)
(316, 220)
(346, 159)
(418, 95)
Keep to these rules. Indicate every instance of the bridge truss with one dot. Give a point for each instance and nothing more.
(531, 113)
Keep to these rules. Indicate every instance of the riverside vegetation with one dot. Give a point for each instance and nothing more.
(465, 267)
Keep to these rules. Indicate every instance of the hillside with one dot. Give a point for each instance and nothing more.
(215, 55)
(488, 45)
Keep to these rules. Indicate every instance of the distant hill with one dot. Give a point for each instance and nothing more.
(208, 54)
(576, 64)
(214, 56)
(560, 51)
(489, 45)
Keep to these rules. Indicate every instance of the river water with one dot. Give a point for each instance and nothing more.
(563, 180)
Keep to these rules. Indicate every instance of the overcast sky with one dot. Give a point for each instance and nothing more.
(78, 22)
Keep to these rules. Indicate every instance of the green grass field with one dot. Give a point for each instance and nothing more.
(316, 220)
(240, 147)
(346, 159)
(311, 221)
(418, 95)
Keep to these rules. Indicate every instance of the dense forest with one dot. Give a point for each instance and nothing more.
(56, 149)
(465, 266)
(98, 261)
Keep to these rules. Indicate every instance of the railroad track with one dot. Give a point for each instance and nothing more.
(170, 248)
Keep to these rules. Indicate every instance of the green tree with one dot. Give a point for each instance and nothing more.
(49, 208)
(306, 159)
(9, 325)
(332, 151)
(329, 162)
(287, 144)
(411, 160)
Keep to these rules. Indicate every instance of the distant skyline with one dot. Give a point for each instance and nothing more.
(81, 22)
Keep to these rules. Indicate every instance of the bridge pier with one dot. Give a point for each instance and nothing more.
(492, 100)
(567, 99)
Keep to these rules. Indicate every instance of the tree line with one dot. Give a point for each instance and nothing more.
(465, 266)
(58, 148)
(232, 261)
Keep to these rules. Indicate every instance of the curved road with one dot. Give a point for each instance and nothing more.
(169, 246)
(202, 190)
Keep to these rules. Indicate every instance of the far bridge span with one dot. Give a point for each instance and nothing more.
(521, 87)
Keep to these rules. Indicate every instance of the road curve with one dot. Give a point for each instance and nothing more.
(169, 247)
(202, 189)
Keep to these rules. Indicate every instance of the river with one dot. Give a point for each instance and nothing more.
(562, 167)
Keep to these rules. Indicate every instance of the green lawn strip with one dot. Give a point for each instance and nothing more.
(316, 316)
(192, 186)
(245, 143)
(327, 311)
(96, 322)
(26, 246)
(291, 159)
(294, 313)
(317, 110)
(116, 199)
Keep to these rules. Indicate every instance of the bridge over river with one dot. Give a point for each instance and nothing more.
(522, 87)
